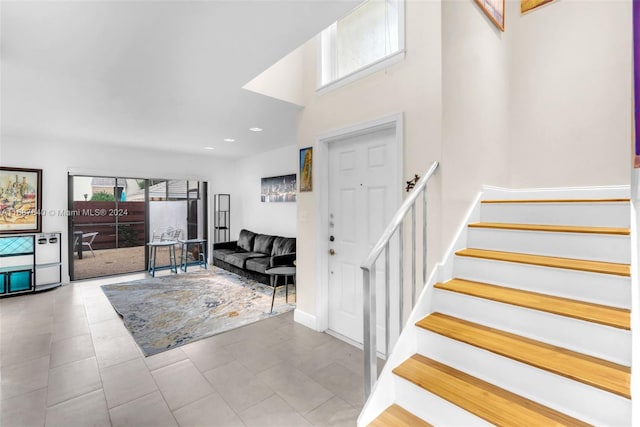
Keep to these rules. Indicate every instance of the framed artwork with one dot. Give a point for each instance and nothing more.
(494, 9)
(278, 189)
(306, 169)
(20, 200)
(527, 5)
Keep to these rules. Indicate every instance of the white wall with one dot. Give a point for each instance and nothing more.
(570, 93)
(283, 80)
(57, 158)
(546, 103)
(247, 211)
(475, 146)
(413, 87)
(167, 213)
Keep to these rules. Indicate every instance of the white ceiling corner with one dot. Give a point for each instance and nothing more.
(164, 75)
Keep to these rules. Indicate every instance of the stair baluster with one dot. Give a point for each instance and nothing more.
(369, 276)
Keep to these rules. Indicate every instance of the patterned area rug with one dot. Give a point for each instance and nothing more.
(166, 312)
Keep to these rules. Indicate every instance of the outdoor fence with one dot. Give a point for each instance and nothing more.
(118, 226)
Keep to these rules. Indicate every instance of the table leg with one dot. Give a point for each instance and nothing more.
(154, 254)
(201, 255)
(183, 260)
(172, 259)
(274, 282)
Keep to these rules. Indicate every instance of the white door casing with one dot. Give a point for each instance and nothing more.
(363, 191)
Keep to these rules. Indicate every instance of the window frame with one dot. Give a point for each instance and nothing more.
(327, 56)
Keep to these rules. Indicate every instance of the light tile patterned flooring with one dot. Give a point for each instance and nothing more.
(67, 360)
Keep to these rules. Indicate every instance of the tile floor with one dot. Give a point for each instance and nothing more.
(67, 360)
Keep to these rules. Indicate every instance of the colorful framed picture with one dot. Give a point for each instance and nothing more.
(527, 5)
(278, 189)
(494, 9)
(20, 200)
(306, 169)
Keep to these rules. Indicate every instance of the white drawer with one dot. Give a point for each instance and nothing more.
(48, 275)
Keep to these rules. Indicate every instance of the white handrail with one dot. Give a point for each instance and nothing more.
(369, 283)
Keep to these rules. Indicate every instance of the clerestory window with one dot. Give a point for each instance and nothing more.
(368, 39)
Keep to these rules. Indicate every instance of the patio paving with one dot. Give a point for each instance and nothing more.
(115, 261)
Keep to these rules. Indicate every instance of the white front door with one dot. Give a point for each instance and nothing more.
(362, 171)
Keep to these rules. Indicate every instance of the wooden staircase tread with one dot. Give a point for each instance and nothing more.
(613, 200)
(397, 416)
(589, 370)
(487, 401)
(552, 228)
(596, 313)
(549, 261)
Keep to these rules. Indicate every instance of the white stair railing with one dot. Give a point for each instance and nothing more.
(369, 275)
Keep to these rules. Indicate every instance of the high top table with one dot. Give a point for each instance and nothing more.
(201, 244)
(153, 251)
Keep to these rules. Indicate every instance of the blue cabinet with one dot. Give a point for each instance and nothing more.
(17, 261)
(19, 281)
(30, 263)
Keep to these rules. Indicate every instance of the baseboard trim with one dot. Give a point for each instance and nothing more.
(305, 319)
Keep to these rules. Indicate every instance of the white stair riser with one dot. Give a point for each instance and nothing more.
(573, 398)
(589, 338)
(582, 214)
(606, 289)
(562, 193)
(595, 247)
(433, 409)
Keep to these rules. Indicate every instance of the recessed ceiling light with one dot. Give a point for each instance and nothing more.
(255, 129)
(209, 148)
(229, 140)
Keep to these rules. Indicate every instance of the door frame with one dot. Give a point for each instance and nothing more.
(322, 197)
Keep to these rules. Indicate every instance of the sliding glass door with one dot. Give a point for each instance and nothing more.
(113, 218)
(107, 226)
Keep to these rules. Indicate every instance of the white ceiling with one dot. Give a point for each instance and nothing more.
(165, 75)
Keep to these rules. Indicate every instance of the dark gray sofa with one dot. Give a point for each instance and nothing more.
(252, 254)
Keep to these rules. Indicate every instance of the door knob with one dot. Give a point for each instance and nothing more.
(332, 252)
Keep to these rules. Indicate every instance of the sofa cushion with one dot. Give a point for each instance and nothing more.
(239, 259)
(228, 256)
(258, 264)
(283, 246)
(263, 243)
(246, 239)
(221, 254)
